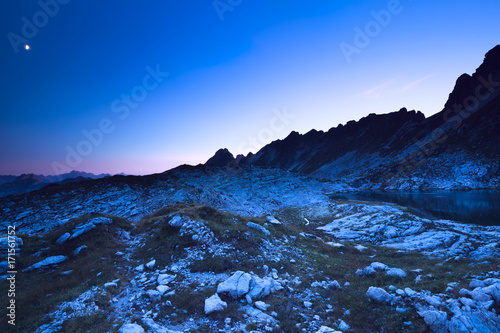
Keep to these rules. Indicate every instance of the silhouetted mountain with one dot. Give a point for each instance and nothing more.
(70, 175)
(6, 179)
(22, 184)
(455, 148)
(221, 157)
(31, 182)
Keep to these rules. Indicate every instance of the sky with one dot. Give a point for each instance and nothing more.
(140, 87)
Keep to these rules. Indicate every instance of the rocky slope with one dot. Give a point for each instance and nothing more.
(242, 249)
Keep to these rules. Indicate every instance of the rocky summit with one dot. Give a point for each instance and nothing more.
(259, 244)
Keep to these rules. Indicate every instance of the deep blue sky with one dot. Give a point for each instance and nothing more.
(227, 78)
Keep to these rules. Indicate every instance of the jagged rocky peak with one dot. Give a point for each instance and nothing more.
(222, 157)
(487, 75)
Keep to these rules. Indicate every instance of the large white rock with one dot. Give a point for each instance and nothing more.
(131, 328)
(260, 288)
(257, 316)
(494, 291)
(343, 325)
(379, 295)
(436, 320)
(237, 285)
(165, 279)
(479, 295)
(241, 283)
(396, 272)
(368, 270)
(151, 264)
(378, 266)
(273, 220)
(82, 229)
(214, 303)
(258, 227)
(177, 221)
(262, 305)
(433, 300)
(50, 261)
(162, 289)
(410, 292)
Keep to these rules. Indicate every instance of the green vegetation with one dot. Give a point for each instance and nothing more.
(39, 292)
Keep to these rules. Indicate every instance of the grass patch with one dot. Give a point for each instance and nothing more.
(52, 287)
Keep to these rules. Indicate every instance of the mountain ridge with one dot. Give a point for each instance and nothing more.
(28, 182)
(456, 148)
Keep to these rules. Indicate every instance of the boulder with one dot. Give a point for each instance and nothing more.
(368, 270)
(493, 291)
(272, 220)
(410, 292)
(61, 240)
(82, 229)
(78, 250)
(378, 266)
(437, 320)
(131, 328)
(165, 279)
(262, 305)
(241, 283)
(177, 221)
(151, 264)
(433, 300)
(396, 272)
(50, 261)
(162, 289)
(214, 303)
(258, 227)
(479, 295)
(237, 285)
(476, 283)
(260, 288)
(379, 295)
(343, 325)
(257, 316)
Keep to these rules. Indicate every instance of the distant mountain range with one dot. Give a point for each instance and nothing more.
(457, 148)
(30, 182)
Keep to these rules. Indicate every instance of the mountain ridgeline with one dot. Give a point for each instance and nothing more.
(31, 182)
(457, 148)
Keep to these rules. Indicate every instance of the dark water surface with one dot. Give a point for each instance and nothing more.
(478, 207)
